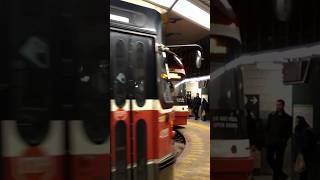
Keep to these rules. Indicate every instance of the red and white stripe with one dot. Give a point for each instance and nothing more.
(222, 148)
(25, 162)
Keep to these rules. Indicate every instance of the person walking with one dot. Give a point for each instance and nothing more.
(278, 132)
(189, 102)
(204, 109)
(305, 144)
(196, 106)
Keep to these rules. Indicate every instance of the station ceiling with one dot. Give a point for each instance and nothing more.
(273, 24)
(180, 30)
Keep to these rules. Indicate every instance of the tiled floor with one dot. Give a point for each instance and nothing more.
(194, 161)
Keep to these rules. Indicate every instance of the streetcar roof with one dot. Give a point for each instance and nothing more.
(127, 16)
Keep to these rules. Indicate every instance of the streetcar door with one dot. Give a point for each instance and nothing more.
(133, 77)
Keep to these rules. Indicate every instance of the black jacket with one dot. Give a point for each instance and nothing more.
(196, 102)
(279, 128)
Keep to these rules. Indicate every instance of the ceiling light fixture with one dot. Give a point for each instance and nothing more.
(164, 3)
(119, 18)
(192, 12)
(195, 79)
(186, 9)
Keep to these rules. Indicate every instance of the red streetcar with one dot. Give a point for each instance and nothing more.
(180, 107)
(141, 103)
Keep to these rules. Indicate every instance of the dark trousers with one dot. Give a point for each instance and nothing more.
(196, 112)
(275, 156)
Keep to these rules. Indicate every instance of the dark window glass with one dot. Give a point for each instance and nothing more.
(119, 72)
(121, 151)
(139, 73)
(31, 90)
(141, 150)
(180, 95)
(165, 86)
(93, 93)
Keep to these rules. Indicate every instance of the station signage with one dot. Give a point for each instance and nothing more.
(225, 119)
(226, 123)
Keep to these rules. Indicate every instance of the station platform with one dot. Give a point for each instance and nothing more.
(194, 161)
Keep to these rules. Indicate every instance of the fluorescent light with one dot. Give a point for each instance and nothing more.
(192, 12)
(195, 79)
(119, 18)
(164, 3)
(147, 4)
(268, 60)
(181, 82)
(186, 9)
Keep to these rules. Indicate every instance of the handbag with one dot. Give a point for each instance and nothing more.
(300, 164)
(203, 113)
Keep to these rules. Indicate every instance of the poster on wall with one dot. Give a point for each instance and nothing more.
(305, 110)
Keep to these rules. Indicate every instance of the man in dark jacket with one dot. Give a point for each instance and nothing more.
(279, 130)
(205, 109)
(196, 106)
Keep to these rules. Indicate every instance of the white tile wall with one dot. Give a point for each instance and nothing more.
(268, 84)
(194, 88)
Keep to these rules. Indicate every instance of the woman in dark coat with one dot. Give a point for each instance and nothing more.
(305, 141)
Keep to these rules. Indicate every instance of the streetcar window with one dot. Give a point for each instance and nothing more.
(93, 91)
(180, 95)
(119, 73)
(31, 89)
(121, 150)
(165, 90)
(141, 149)
(139, 74)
